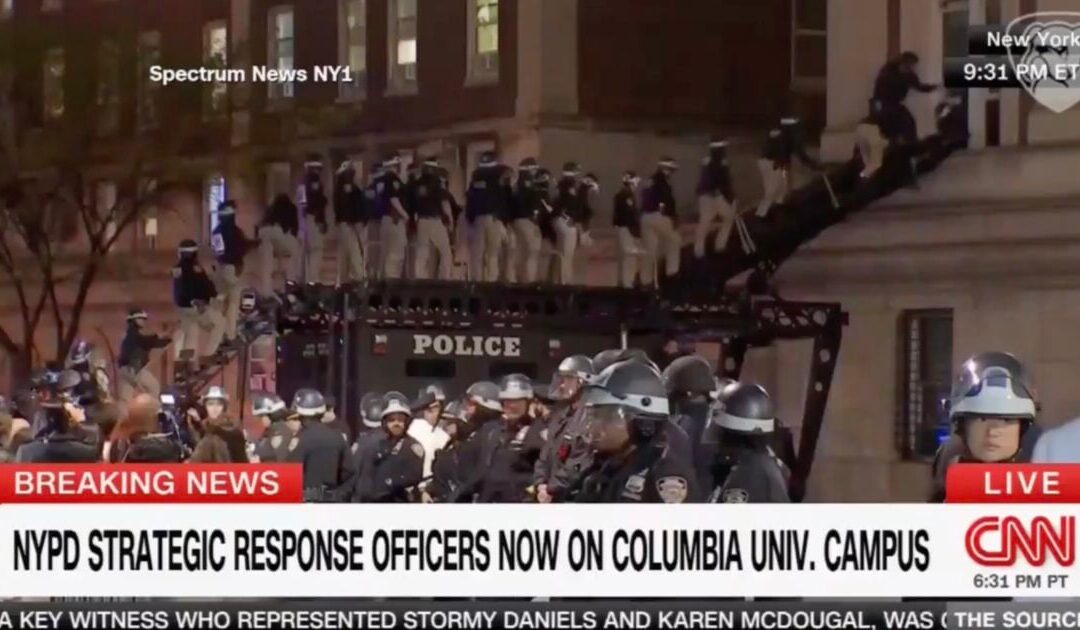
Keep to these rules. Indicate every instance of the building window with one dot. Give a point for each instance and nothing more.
(280, 45)
(52, 5)
(403, 45)
(213, 195)
(149, 55)
(108, 87)
(926, 378)
(352, 51)
(483, 40)
(53, 84)
(216, 56)
(809, 49)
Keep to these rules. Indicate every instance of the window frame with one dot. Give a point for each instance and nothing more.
(280, 91)
(476, 71)
(147, 96)
(914, 380)
(50, 114)
(210, 111)
(807, 84)
(357, 89)
(210, 203)
(108, 98)
(398, 80)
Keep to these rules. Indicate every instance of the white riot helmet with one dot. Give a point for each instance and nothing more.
(516, 387)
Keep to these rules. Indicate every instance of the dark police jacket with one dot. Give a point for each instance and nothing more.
(388, 186)
(566, 454)
(526, 202)
(893, 83)
(488, 194)
(273, 446)
(59, 448)
(509, 460)
(282, 213)
(389, 468)
(191, 284)
(756, 476)
(659, 197)
(428, 196)
(448, 473)
(350, 202)
(314, 200)
(572, 202)
(650, 473)
(136, 346)
(784, 144)
(230, 244)
(328, 470)
(627, 214)
(715, 178)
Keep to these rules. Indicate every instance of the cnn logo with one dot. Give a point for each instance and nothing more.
(994, 541)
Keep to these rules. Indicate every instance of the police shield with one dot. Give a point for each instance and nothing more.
(1049, 66)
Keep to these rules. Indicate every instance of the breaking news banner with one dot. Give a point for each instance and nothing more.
(133, 531)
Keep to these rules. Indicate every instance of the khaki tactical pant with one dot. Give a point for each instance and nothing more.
(566, 242)
(229, 292)
(192, 320)
(351, 249)
(393, 238)
(488, 235)
(313, 250)
(661, 239)
(629, 256)
(431, 233)
(132, 383)
(775, 183)
(872, 146)
(526, 253)
(709, 209)
(275, 244)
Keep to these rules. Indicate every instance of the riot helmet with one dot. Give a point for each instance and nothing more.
(605, 359)
(992, 404)
(396, 414)
(625, 403)
(515, 394)
(745, 409)
(309, 404)
(570, 377)
(689, 376)
(371, 410)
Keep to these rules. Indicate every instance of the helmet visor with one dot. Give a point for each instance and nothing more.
(607, 427)
(565, 386)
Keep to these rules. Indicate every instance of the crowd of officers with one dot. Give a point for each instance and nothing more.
(610, 428)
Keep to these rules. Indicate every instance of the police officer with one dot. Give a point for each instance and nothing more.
(525, 212)
(689, 383)
(482, 411)
(783, 144)
(627, 414)
(660, 224)
(324, 453)
(60, 436)
(486, 204)
(134, 360)
(716, 198)
(571, 220)
(369, 429)
(394, 464)
(311, 197)
(351, 215)
(745, 468)
(193, 294)
(626, 218)
(895, 79)
(447, 468)
(335, 422)
(278, 429)
(545, 219)
(424, 428)
(278, 238)
(512, 446)
(230, 246)
(434, 223)
(394, 221)
(566, 453)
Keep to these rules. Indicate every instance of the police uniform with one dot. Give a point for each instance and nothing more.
(891, 87)
(626, 218)
(447, 473)
(871, 143)
(756, 476)
(278, 239)
(571, 218)
(524, 258)
(324, 453)
(389, 468)
(134, 360)
(716, 199)
(650, 473)
(230, 246)
(311, 198)
(350, 214)
(434, 221)
(273, 446)
(485, 208)
(93, 384)
(193, 292)
(782, 145)
(394, 221)
(745, 469)
(659, 226)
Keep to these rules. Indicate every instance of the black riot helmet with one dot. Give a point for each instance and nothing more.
(630, 396)
(570, 376)
(689, 376)
(187, 250)
(488, 159)
(639, 355)
(309, 404)
(267, 404)
(744, 409)
(371, 410)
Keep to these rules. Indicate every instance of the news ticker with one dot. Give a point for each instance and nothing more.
(1034, 51)
(561, 615)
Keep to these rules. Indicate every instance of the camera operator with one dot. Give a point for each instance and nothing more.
(137, 438)
(61, 437)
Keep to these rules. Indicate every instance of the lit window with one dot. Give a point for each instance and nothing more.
(53, 84)
(213, 195)
(353, 48)
(484, 39)
(149, 56)
(108, 87)
(216, 56)
(926, 377)
(52, 5)
(809, 44)
(280, 53)
(403, 44)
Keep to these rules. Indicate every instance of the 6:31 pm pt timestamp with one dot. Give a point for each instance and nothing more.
(990, 580)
